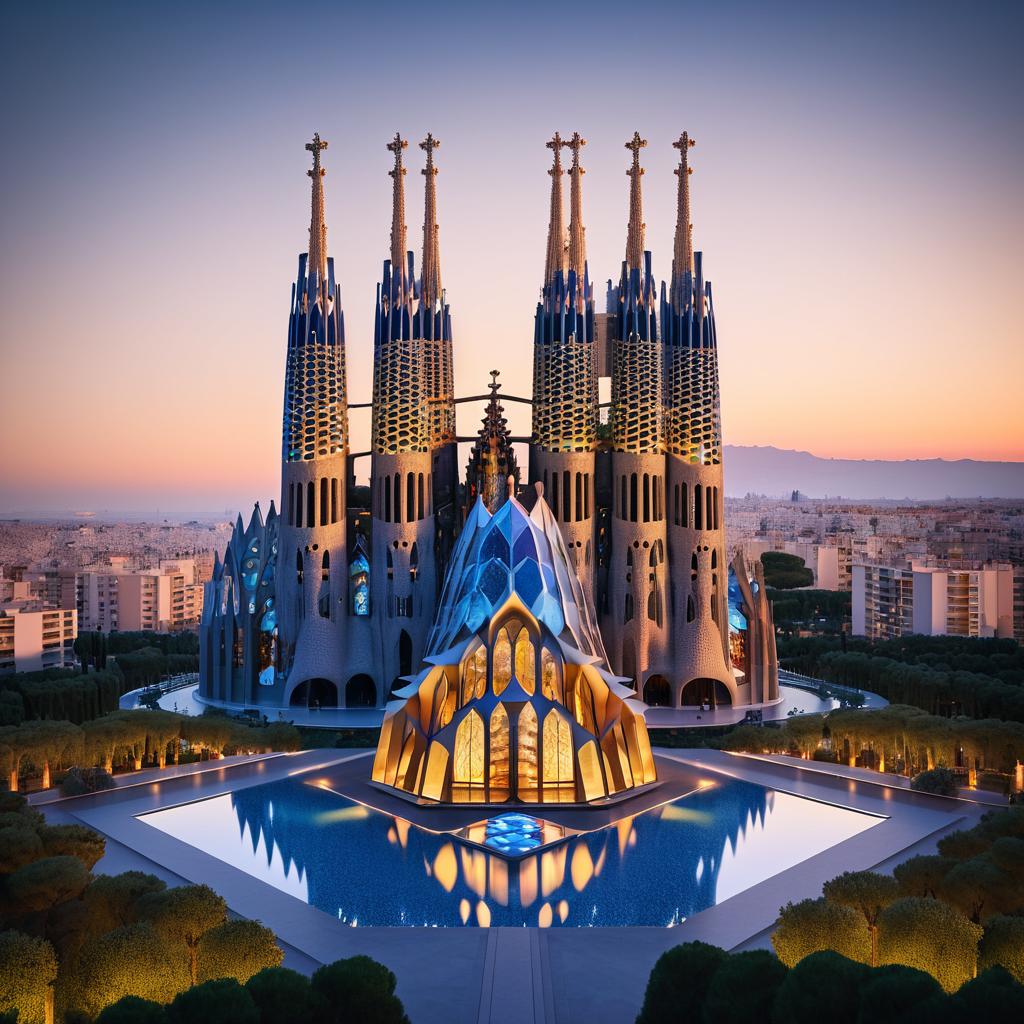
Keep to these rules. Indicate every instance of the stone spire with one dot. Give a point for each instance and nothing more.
(635, 232)
(492, 471)
(430, 281)
(317, 227)
(682, 252)
(555, 259)
(577, 239)
(398, 242)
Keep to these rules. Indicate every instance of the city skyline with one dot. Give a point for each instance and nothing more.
(172, 216)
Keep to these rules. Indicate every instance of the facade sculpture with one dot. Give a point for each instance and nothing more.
(346, 600)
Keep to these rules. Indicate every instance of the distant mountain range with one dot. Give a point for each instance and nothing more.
(779, 472)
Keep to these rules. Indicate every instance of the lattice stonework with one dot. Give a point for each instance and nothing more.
(693, 428)
(440, 391)
(564, 397)
(315, 413)
(399, 410)
(636, 396)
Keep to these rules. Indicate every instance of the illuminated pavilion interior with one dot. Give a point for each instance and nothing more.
(515, 701)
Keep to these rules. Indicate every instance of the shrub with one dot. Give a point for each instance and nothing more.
(281, 995)
(132, 1010)
(922, 875)
(80, 781)
(1002, 945)
(182, 916)
(940, 781)
(679, 981)
(930, 936)
(890, 993)
(866, 892)
(357, 991)
(743, 989)
(222, 1001)
(812, 926)
(237, 949)
(992, 996)
(73, 841)
(112, 900)
(28, 966)
(821, 987)
(19, 845)
(38, 886)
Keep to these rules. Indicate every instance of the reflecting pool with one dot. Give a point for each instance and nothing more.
(370, 868)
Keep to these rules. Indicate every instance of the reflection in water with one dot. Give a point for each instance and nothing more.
(368, 868)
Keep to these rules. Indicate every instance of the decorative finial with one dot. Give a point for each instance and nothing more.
(682, 253)
(494, 385)
(555, 258)
(317, 227)
(398, 242)
(577, 236)
(430, 281)
(635, 232)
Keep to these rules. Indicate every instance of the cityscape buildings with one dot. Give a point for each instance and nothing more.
(35, 636)
(323, 604)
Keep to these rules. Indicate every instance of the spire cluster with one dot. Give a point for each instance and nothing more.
(555, 259)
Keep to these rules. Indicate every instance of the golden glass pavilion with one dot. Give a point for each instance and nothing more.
(515, 701)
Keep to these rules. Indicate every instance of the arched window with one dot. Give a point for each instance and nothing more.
(586, 495)
(698, 507)
(387, 499)
(414, 561)
(632, 497)
(334, 499)
(419, 496)
(627, 614)
(647, 498)
(652, 605)
(684, 505)
(714, 558)
(710, 517)
(622, 499)
(586, 559)
(716, 508)
(578, 510)
(550, 677)
(467, 687)
(525, 662)
(499, 756)
(691, 612)
(526, 753)
(675, 504)
(310, 504)
(554, 494)
(398, 498)
(298, 505)
(481, 671)
(566, 497)
(558, 768)
(325, 567)
(298, 567)
(324, 509)
(502, 670)
(410, 497)
(469, 751)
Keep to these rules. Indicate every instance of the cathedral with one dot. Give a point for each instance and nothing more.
(604, 556)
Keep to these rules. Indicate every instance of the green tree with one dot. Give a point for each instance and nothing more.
(867, 892)
(821, 987)
(991, 996)
(132, 961)
(1002, 945)
(41, 885)
(19, 845)
(356, 991)
(940, 781)
(281, 995)
(931, 936)
(133, 1010)
(785, 572)
(237, 949)
(28, 967)
(679, 981)
(222, 1001)
(895, 994)
(978, 889)
(183, 915)
(812, 926)
(963, 844)
(74, 841)
(112, 900)
(743, 988)
(922, 875)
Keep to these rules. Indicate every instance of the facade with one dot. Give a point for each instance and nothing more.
(339, 605)
(35, 636)
(891, 601)
(515, 701)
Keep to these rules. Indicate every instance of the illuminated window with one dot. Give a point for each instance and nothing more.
(558, 770)
(469, 751)
(502, 672)
(525, 663)
(499, 762)
(549, 676)
(527, 751)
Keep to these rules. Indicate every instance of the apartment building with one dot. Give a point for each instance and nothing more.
(34, 636)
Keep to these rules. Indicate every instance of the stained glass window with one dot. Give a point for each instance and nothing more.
(469, 751)
(526, 669)
(502, 662)
(527, 751)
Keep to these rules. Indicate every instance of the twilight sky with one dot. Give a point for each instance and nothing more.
(858, 194)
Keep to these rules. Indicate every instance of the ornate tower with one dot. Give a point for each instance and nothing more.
(311, 562)
(636, 617)
(565, 372)
(492, 462)
(693, 444)
(403, 583)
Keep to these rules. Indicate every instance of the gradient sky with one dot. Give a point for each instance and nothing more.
(858, 193)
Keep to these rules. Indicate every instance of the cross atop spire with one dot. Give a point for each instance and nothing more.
(430, 281)
(398, 242)
(577, 238)
(317, 227)
(555, 259)
(682, 252)
(635, 231)
(495, 374)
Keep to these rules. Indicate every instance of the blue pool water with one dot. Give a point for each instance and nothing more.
(370, 868)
